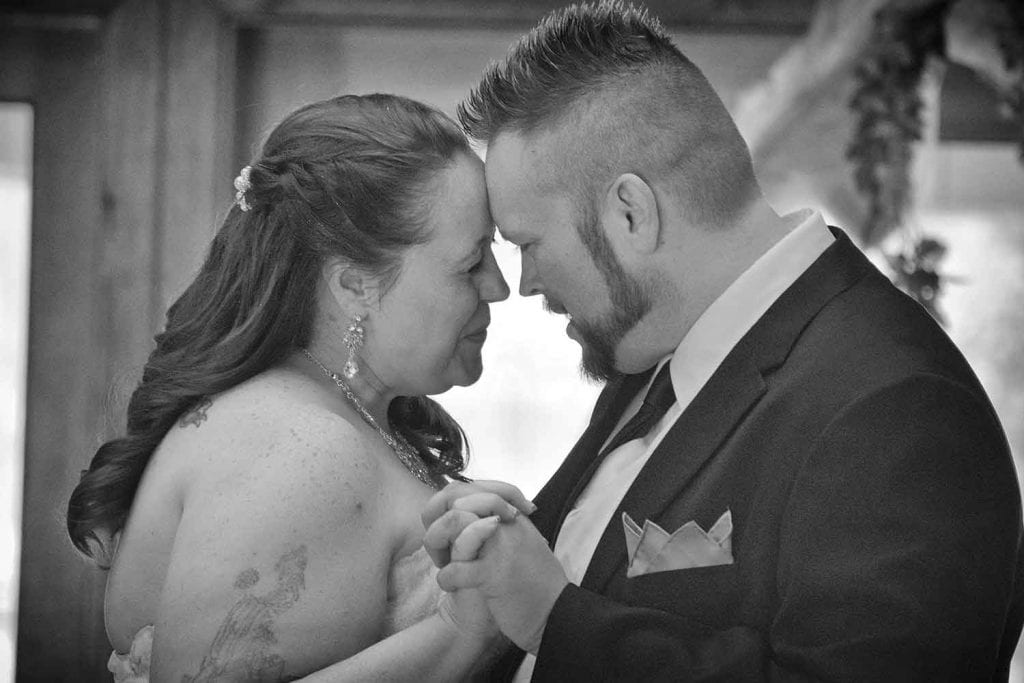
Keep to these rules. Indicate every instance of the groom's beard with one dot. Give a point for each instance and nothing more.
(601, 338)
(630, 301)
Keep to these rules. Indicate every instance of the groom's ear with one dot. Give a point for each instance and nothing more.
(353, 289)
(631, 215)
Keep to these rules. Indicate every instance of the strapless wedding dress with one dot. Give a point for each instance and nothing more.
(412, 596)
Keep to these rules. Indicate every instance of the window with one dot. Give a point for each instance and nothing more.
(15, 224)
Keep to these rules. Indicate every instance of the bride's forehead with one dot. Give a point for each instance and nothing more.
(457, 232)
(461, 205)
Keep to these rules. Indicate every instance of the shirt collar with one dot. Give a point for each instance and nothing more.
(742, 304)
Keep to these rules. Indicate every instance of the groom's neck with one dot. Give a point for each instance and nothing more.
(694, 273)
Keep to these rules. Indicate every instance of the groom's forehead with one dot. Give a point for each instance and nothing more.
(506, 158)
(516, 165)
(506, 174)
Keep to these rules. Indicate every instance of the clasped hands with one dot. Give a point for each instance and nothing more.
(479, 535)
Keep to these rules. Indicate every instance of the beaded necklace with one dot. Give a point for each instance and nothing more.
(407, 455)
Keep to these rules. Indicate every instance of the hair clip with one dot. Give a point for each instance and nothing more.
(242, 185)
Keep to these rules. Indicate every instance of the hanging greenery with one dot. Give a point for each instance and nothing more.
(887, 103)
(917, 272)
(1011, 43)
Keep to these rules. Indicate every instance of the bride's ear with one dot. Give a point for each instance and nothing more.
(352, 288)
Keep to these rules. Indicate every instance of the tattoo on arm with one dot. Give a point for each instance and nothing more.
(242, 647)
(195, 415)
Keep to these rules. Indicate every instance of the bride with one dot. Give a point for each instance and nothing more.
(260, 517)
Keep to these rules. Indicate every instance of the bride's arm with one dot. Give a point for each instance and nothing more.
(454, 644)
(431, 650)
(281, 563)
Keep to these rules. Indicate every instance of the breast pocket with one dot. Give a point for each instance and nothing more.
(709, 595)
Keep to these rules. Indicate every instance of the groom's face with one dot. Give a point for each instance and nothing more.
(536, 212)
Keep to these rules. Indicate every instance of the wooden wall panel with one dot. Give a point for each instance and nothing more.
(132, 100)
(198, 167)
(59, 620)
(279, 69)
(134, 127)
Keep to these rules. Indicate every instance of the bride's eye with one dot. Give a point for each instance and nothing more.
(477, 265)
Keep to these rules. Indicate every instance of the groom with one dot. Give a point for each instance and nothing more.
(791, 474)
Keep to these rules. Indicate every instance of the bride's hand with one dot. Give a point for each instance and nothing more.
(459, 504)
(466, 609)
(495, 491)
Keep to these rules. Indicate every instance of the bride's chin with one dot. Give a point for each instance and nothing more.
(474, 377)
(464, 369)
(469, 371)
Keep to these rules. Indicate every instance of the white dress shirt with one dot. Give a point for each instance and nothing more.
(692, 364)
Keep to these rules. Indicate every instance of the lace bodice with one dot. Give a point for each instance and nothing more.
(133, 666)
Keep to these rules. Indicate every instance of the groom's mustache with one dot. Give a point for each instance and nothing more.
(554, 307)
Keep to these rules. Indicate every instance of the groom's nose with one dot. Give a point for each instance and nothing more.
(529, 283)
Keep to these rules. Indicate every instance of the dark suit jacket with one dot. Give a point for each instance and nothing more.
(876, 510)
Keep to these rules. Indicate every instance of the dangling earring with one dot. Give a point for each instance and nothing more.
(354, 337)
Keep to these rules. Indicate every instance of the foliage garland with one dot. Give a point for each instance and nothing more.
(888, 104)
(1011, 43)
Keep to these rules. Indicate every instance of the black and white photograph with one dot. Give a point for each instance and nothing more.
(511, 340)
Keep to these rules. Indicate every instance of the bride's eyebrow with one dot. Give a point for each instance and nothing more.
(477, 250)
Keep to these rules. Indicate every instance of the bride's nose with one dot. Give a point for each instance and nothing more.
(493, 287)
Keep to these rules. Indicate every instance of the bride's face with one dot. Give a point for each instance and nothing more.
(432, 323)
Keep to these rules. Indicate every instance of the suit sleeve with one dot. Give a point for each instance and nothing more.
(898, 552)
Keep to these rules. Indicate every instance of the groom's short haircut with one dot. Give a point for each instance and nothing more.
(618, 96)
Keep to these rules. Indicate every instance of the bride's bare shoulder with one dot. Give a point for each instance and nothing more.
(285, 506)
(275, 424)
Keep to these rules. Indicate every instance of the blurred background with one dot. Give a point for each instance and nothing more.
(123, 124)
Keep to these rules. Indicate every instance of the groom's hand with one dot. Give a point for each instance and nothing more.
(467, 610)
(460, 504)
(517, 574)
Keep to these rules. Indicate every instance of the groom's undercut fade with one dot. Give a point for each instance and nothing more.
(570, 54)
(608, 80)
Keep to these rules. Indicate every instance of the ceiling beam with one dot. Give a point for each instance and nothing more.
(59, 15)
(748, 16)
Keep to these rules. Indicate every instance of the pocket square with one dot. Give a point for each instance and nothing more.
(652, 549)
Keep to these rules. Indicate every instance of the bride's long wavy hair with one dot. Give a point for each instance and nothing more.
(348, 176)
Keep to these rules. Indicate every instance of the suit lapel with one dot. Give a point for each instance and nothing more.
(708, 420)
(732, 391)
(555, 499)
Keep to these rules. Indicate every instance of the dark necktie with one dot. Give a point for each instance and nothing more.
(658, 400)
